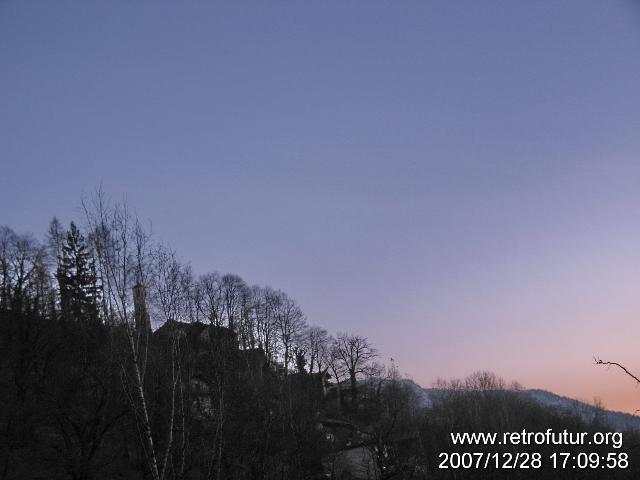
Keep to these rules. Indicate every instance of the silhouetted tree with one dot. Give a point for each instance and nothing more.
(77, 280)
(355, 352)
(290, 325)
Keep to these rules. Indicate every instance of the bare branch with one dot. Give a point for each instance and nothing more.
(602, 362)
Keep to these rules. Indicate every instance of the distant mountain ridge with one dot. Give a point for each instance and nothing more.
(618, 421)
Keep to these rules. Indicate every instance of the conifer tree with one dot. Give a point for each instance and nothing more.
(79, 292)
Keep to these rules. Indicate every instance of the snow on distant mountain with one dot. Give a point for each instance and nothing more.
(617, 421)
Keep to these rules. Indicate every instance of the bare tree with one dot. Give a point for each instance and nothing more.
(248, 305)
(484, 381)
(290, 324)
(355, 352)
(211, 302)
(394, 412)
(333, 360)
(315, 339)
(24, 276)
(190, 294)
(323, 347)
(232, 289)
(170, 284)
(121, 246)
(7, 241)
(265, 301)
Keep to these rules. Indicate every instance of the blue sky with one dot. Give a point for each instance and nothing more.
(457, 180)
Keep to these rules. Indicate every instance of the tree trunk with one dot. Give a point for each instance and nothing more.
(146, 426)
(174, 380)
(354, 391)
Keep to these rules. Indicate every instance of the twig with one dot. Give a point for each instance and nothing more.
(601, 362)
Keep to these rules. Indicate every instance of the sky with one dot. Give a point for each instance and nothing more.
(458, 181)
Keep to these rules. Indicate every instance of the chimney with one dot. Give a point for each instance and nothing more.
(143, 322)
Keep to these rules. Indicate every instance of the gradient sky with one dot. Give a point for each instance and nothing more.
(459, 181)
